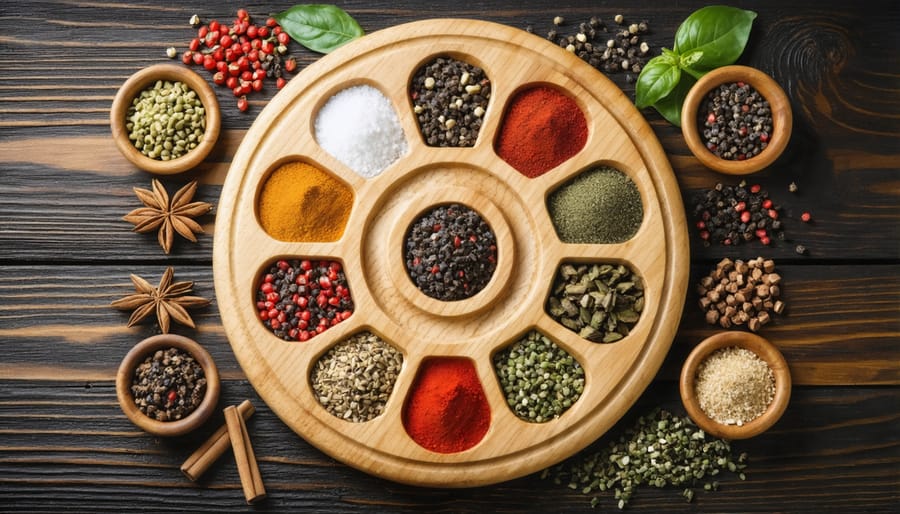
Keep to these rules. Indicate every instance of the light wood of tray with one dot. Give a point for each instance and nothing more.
(387, 303)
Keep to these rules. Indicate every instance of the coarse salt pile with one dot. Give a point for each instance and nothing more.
(734, 386)
(360, 128)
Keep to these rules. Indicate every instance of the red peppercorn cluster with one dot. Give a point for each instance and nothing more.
(299, 299)
(242, 56)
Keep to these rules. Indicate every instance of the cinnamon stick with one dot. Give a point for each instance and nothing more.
(251, 480)
(213, 448)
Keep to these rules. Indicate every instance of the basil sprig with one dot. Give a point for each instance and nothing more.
(319, 27)
(711, 37)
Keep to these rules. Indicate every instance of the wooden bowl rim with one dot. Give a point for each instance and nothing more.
(767, 352)
(782, 119)
(167, 428)
(141, 80)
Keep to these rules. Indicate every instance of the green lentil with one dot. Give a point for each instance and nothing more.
(660, 450)
(600, 302)
(540, 379)
(166, 121)
(602, 205)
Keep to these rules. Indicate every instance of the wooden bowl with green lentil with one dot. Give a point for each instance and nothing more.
(165, 119)
(154, 392)
(735, 385)
(758, 131)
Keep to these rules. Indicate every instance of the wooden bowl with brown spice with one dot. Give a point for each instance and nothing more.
(167, 398)
(721, 383)
(189, 142)
(775, 141)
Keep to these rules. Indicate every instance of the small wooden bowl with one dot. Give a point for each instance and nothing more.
(767, 352)
(782, 119)
(140, 352)
(133, 87)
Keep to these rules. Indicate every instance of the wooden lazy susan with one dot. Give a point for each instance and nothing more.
(370, 252)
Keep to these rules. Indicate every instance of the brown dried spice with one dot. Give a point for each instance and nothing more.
(168, 216)
(167, 300)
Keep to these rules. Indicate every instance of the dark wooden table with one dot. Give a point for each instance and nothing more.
(65, 254)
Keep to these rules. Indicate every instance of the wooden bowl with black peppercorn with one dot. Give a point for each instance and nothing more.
(767, 353)
(775, 141)
(133, 88)
(172, 396)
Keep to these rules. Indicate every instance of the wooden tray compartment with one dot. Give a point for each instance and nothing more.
(387, 303)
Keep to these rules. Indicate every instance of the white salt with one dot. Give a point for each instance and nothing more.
(360, 128)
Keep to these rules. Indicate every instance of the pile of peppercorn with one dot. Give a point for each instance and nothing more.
(729, 215)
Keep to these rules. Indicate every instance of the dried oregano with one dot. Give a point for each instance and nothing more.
(661, 449)
(600, 302)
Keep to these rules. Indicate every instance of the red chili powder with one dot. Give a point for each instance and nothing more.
(542, 128)
(446, 410)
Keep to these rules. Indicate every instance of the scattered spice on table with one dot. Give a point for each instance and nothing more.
(243, 55)
(446, 410)
(450, 253)
(540, 379)
(599, 302)
(541, 129)
(168, 385)
(166, 120)
(730, 215)
(355, 378)
(166, 215)
(602, 205)
(739, 293)
(449, 99)
(661, 449)
(299, 299)
(734, 386)
(360, 128)
(609, 49)
(735, 121)
(300, 202)
(168, 301)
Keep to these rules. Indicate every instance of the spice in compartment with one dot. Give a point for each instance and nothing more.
(600, 302)
(298, 299)
(446, 410)
(602, 205)
(360, 128)
(300, 202)
(166, 120)
(540, 379)
(168, 385)
(734, 386)
(735, 121)
(541, 129)
(449, 99)
(355, 378)
(450, 253)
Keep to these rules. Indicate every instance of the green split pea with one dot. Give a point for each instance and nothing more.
(166, 121)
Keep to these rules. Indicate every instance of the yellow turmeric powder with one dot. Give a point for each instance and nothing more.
(301, 203)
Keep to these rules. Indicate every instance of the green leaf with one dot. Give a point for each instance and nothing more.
(719, 32)
(670, 105)
(319, 27)
(656, 80)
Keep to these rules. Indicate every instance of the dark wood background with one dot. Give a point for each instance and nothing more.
(65, 254)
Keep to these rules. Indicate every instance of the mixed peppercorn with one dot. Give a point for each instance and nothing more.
(299, 299)
(241, 56)
(731, 214)
(736, 121)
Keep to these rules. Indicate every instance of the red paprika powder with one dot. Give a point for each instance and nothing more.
(542, 128)
(446, 410)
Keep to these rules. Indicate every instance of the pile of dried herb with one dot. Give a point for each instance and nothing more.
(661, 449)
(601, 302)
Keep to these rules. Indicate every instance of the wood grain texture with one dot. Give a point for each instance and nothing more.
(65, 254)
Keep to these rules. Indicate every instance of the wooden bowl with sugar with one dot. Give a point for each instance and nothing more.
(767, 352)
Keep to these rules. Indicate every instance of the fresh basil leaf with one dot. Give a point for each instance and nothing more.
(719, 32)
(319, 27)
(656, 80)
(689, 59)
(670, 105)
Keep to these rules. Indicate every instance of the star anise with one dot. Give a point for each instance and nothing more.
(168, 216)
(167, 300)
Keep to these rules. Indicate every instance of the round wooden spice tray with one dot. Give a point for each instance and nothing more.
(387, 303)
